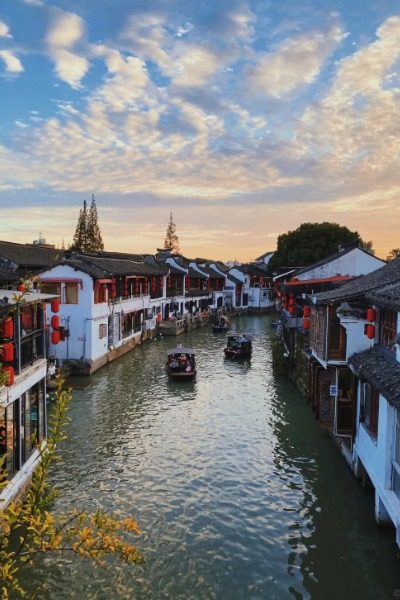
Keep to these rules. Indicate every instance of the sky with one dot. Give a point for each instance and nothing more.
(245, 118)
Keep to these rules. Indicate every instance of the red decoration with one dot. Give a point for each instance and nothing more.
(8, 352)
(55, 321)
(8, 327)
(306, 324)
(55, 305)
(371, 315)
(10, 374)
(370, 330)
(306, 311)
(55, 337)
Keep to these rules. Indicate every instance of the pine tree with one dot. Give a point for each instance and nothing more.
(80, 238)
(87, 236)
(171, 239)
(94, 239)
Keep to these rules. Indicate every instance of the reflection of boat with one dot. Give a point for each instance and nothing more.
(238, 346)
(181, 363)
(222, 325)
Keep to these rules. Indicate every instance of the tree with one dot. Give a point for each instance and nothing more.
(29, 530)
(312, 242)
(171, 239)
(94, 239)
(80, 238)
(394, 253)
(87, 236)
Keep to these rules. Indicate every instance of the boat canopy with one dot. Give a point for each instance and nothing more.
(238, 336)
(180, 350)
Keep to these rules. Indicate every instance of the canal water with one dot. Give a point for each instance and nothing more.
(237, 491)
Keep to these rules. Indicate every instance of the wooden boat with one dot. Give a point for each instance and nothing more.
(238, 346)
(181, 363)
(222, 325)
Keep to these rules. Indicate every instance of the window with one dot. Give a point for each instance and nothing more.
(71, 293)
(50, 287)
(102, 331)
(369, 413)
(387, 327)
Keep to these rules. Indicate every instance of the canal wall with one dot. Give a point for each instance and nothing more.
(290, 359)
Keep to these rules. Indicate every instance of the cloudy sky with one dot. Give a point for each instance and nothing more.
(244, 118)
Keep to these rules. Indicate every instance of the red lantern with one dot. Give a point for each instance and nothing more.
(10, 375)
(55, 337)
(8, 327)
(55, 321)
(291, 300)
(55, 305)
(8, 352)
(21, 287)
(291, 309)
(306, 324)
(306, 311)
(371, 331)
(371, 315)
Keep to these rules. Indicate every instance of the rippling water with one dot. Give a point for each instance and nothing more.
(238, 493)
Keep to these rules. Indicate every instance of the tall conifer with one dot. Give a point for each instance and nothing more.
(87, 236)
(171, 239)
(94, 239)
(80, 238)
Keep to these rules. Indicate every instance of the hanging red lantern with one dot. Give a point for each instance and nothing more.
(291, 310)
(55, 337)
(291, 300)
(306, 324)
(55, 305)
(55, 321)
(306, 311)
(370, 331)
(8, 352)
(10, 375)
(8, 327)
(371, 315)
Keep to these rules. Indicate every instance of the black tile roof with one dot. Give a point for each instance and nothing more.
(193, 274)
(379, 367)
(365, 284)
(234, 279)
(386, 297)
(6, 275)
(29, 257)
(99, 268)
(212, 273)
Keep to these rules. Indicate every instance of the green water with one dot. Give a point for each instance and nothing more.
(237, 491)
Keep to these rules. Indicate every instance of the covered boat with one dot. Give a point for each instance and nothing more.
(181, 362)
(238, 346)
(221, 325)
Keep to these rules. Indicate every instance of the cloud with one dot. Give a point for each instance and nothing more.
(195, 67)
(295, 63)
(4, 30)
(66, 32)
(34, 2)
(12, 63)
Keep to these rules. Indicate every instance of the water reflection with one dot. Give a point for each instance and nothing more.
(237, 492)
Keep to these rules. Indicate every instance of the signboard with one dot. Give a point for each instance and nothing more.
(333, 390)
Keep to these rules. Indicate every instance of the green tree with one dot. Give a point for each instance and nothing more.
(312, 242)
(80, 238)
(87, 236)
(394, 253)
(171, 241)
(29, 530)
(93, 234)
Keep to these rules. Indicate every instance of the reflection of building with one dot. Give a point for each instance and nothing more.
(23, 398)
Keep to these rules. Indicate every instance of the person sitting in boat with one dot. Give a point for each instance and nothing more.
(173, 363)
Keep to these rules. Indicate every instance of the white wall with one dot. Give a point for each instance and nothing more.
(356, 262)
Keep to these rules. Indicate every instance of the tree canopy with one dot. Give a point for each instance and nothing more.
(312, 242)
(171, 241)
(87, 236)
